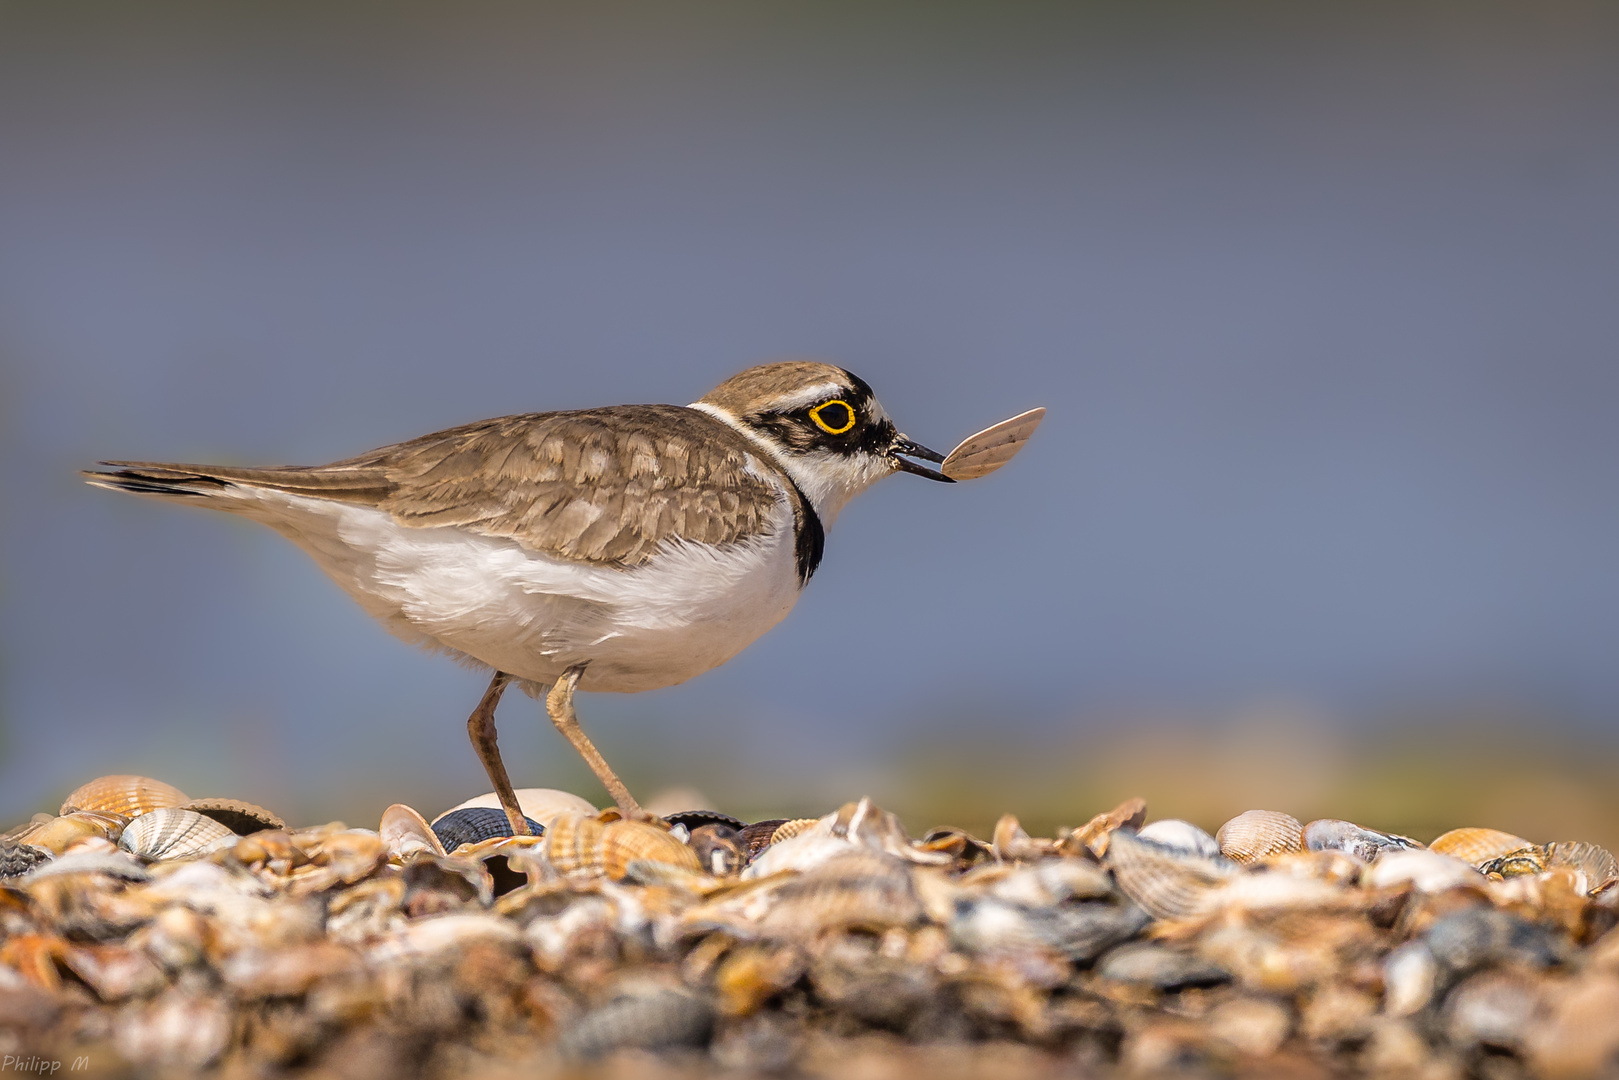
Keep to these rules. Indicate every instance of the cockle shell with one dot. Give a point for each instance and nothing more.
(1477, 846)
(1257, 834)
(1331, 834)
(1178, 835)
(1167, 884)
(471, 824)
(1596, 863)
(125, 795)
(794, 827)
(173, 833)
(577, 843)
(537, 803)
(241, 818)
(982, 453)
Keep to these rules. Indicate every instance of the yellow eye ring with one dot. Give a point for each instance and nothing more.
(815, 415)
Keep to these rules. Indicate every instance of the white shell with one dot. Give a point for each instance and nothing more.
(1427, 871)
(173, 833)
(1180, 835)
(983, 453)
(537, 803)
(404, 833)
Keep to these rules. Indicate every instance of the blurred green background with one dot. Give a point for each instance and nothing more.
(1321, 301)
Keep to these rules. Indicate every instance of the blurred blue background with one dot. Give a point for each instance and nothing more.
(1322, 302)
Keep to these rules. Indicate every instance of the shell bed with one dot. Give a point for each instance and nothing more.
(143, 933)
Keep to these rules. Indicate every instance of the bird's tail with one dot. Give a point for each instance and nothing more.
(206, 482)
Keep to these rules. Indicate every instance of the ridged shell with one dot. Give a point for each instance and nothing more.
(241, 818)
(1477, 846)
(1178, 835)
(537, 803)
(1167, 884)
(59, 833)
(404, 833)
(789, 829)
(575, 842)
(471, 824)
(626, 842)
(173, 833)
(756, 837)
(1596, 863)
(982, 453)
(1257, 834)
(125, 795)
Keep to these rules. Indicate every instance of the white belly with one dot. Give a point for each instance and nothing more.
(689, 609)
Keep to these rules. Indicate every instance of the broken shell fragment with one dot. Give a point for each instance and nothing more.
(173, 833)
(471, 824)
(1330, 834)
(59, 833)
(1259, 834)
(404, 833)
(982, 453)
(126, 795)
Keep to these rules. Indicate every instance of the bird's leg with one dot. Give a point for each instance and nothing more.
(559, 707)
(481, 726)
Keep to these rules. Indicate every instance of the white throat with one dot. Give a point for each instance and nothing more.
(828, 481)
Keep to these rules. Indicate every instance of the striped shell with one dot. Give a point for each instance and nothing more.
(535, 802)
(789, 829)
(126, 796)
(471, 824)
(1596, 863)
(575, 842)
(1167, 884)
(1259, 834)
(1178, 835)
(1525, 860)
(173, 833)
(404, 832)
(241, 818)
(1477, 846)
(1331, 834)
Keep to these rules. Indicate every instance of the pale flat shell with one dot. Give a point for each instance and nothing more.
(535, 802)
(983, 453)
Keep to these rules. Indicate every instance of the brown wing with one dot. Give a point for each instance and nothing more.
(603, 486)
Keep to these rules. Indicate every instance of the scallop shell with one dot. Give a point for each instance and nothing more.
(1257, 834)
(535, 802)
(127, 796)
(241, 818)
(1478, 846)
(573, 842)
(471, 824)
(981, 454)
(173, 833)
(1182, 836)
(404, 832)
(1167, 884)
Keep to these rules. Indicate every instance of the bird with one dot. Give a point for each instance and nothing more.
(618, 549)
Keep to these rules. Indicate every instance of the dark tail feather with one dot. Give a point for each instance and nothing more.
(356, 485)
(156, 481)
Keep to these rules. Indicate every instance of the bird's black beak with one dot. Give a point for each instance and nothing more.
(904, 446)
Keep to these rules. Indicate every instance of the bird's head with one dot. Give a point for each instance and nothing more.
(823, 424)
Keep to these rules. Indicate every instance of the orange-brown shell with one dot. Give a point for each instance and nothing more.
(242, 818)
(789, 829)
(1477, 846)
(57, 834)
(1259, 834)
(626, 842)
(574, 842)
(127, 796)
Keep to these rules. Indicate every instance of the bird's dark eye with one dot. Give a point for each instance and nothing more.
(833, 417)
